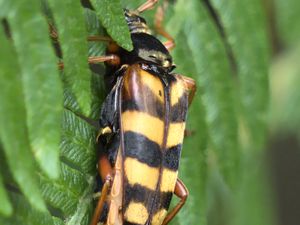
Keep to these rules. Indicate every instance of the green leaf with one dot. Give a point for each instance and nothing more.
(77, 147)
(257, 192)
(193, 160)
(285, 95)
(219, 198)
(214, 80)
(5, 206)
(5, 8)
(112, 17)
(96, 48)
(24, 214)
(287, 20)
(69, 18)
(248, 40)
(94, 27)
(13, 132)
(41, 82)
(98, 90)
(70, 196)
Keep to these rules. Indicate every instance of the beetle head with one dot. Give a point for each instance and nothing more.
(150, 49)
(136, 23)
(146, 47)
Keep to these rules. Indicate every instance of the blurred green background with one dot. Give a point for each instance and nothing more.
(241, 162)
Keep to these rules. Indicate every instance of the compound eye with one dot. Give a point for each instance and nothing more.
(153, 56)
(166, 63)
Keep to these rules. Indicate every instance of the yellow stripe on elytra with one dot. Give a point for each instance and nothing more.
(175, 134)
(154, 84)
(168, 180)
(136, 213)
(140, 173)
(159, 217)
(143, 123)
(177, 90)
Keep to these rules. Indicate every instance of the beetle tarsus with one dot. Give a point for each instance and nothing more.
(149, 4)
(158, 24)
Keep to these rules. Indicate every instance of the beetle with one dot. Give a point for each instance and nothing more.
(142, 124)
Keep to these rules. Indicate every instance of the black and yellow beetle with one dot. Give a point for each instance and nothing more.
(142, 128)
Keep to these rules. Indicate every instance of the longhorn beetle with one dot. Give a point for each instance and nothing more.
(142, 123)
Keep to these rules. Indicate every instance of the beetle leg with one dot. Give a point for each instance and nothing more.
(111, 59)
(159, 16)
(149, 4)
(105, 170)
(158, 23)
(54, 35)
(182, 192)
(188, 133)
(101, 202)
